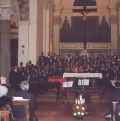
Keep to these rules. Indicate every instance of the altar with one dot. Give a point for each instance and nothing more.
(92, 76)
(83, 75)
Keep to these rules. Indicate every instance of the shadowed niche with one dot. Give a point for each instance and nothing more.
(84, 3)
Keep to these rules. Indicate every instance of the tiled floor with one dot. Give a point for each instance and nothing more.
(49, 111)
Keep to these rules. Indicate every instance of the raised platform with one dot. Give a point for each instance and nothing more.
(93, 95)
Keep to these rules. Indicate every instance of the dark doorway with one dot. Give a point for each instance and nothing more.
(14, 52)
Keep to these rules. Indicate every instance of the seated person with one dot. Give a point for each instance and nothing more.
(11, 91)
(113, 97)
(3, 91)
(19, 111)
(5, 102)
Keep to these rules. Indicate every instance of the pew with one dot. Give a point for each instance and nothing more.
(26, 104)
(5, 114)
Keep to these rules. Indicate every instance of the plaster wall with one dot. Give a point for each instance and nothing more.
(33, 31)
(23, 42)
(39, 28)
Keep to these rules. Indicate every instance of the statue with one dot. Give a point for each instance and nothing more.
(84, 15)
(6, 3)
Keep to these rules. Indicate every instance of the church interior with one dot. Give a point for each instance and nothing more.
(35, 32)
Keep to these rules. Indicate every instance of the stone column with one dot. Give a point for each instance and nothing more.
(46, 25)
(113, 20)
(5, 40)
(23, 42)
(56, 29)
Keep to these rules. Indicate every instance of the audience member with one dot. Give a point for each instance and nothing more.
(19, 111)
(5, 102)
(3, 90)
(11, 91)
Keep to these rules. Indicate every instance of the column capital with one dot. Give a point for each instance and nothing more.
(112, 8)
(48, 4)
(118, 4)
(57, 20)
(6, 13)
(23, 23)
(113, 19)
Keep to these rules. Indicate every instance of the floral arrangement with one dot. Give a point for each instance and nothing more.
(79, 108)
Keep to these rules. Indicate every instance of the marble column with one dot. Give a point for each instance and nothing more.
(5, 41)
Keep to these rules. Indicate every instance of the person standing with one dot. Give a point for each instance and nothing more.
(42, 58)
(14, 78)
(114, 97)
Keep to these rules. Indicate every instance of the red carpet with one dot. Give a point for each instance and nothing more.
(68, 111)
(91, 111)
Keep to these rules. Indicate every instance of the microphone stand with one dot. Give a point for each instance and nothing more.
(67, 95)
(83, 89)
(116, 75)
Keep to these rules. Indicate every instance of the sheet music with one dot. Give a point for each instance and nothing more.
(19, 98)
(113, 82)
(67, 84)
(83, 82)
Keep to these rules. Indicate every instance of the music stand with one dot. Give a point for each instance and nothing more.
(113, 82)
(66, 85)
(83, 83)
